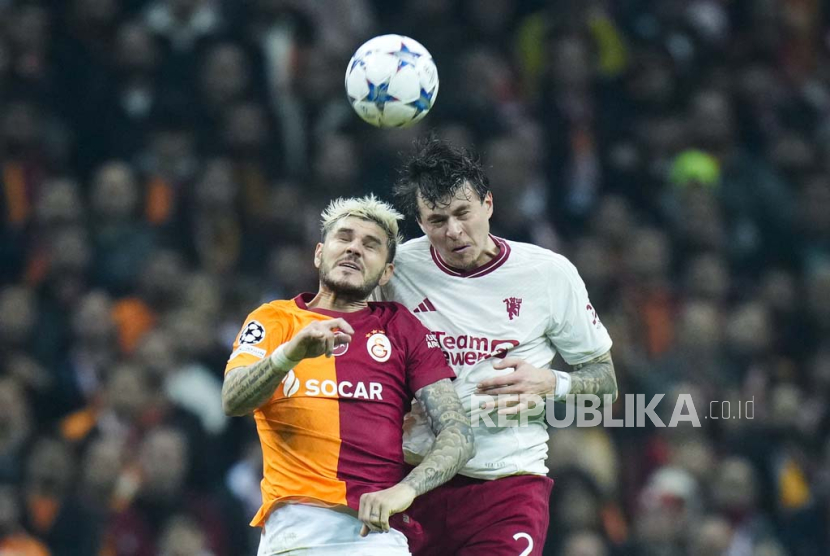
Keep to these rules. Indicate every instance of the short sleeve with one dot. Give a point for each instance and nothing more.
(425, 362)
(261, 334)
(575, 329)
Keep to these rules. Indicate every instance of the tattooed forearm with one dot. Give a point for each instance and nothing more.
(454, 442)
(595, 377)
(246, 388)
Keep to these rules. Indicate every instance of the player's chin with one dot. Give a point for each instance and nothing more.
(461, 260)
(353, 288)
(345, 278)
(351, 280)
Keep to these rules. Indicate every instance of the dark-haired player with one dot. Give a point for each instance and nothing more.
(500, 311)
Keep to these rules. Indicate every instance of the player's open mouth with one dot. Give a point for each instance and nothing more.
(349, 265)
(460, 249)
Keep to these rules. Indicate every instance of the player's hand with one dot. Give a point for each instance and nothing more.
(524, 380)
(319, 338)
(376, 507)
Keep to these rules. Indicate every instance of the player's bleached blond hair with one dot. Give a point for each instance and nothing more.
(367, 208)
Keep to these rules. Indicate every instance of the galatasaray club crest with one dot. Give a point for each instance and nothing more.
(379, 346)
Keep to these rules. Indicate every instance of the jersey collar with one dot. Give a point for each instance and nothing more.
(486, 268)
(303, 299)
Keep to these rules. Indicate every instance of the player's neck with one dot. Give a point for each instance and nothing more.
(490, 252)
(330, 301)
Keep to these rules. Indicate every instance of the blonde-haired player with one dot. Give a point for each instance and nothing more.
(368, 208)
(331, 427)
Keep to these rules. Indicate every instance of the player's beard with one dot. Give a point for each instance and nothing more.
(344, 289)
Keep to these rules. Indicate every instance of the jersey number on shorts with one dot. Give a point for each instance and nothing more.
(527, 537)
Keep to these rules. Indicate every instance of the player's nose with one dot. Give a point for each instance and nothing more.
(355, 248)
(453, 228)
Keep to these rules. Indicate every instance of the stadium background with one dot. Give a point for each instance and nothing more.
(164, 163)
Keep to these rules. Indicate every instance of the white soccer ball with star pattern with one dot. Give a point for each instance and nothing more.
(392, 81)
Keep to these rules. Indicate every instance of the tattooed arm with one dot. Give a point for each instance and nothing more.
(454, 443)
(595, 377)
(247, 388)
(454, 446)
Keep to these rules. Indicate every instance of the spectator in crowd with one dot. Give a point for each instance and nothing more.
(13, 537)
(53, 510)
(17, 426)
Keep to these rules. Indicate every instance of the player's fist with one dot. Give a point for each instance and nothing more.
(319, 338)
(376, 507)
(526, 380)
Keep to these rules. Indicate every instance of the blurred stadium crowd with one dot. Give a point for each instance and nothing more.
(163, 164)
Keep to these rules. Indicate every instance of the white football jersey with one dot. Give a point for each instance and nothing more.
(527, 302)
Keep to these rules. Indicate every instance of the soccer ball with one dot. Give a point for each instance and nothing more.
(391, 81)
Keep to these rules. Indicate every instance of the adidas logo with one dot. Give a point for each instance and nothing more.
(425, 306)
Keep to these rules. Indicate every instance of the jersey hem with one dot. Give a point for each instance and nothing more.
(596, 353)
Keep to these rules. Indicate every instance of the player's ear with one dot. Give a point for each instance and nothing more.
(387, 274)
(318, 255)
(488, 203)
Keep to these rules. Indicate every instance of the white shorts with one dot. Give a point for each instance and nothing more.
(302, 530)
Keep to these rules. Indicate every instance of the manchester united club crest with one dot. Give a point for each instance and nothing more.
(513, 305)
(379, 346)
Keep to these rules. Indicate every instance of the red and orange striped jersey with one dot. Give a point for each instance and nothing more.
(332, 430)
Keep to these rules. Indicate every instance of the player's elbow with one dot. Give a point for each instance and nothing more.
(615, 390)
(609, 395)
(230, 407)
(233, 409)
(613, 386)
(231, 404)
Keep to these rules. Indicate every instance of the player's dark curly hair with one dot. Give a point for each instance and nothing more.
(437, 170)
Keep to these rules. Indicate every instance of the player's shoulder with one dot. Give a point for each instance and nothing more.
(388, 310)
(529, 255)
(275, 310)
(394, 315)
(413, 249)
